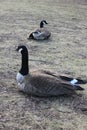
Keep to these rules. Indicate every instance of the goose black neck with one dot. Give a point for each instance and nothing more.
(41, 25)
(24, 65)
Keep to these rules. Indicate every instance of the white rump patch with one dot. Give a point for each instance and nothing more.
(74, 81)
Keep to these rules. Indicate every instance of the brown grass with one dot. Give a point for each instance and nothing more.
(65, 52)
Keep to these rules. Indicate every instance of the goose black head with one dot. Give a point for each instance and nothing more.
(42, 23)
(22, 49)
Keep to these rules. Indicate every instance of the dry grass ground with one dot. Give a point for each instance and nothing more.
(65, 52)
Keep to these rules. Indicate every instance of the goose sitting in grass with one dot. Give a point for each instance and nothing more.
(42, 82)
(41, 33)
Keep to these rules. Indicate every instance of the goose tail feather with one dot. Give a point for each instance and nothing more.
(76, 82)
(73, 80)
(77, 87)
(80, 81)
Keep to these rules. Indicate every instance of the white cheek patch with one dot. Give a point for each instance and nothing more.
(20, 78)
(20, 50)
(44, 23)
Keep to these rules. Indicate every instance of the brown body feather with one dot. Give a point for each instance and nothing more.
(40, 83)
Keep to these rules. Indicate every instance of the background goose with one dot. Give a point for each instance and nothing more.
(42, 82)
(41, 33)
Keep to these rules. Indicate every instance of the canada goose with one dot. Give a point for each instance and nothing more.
(41, 33)
(42, 82)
